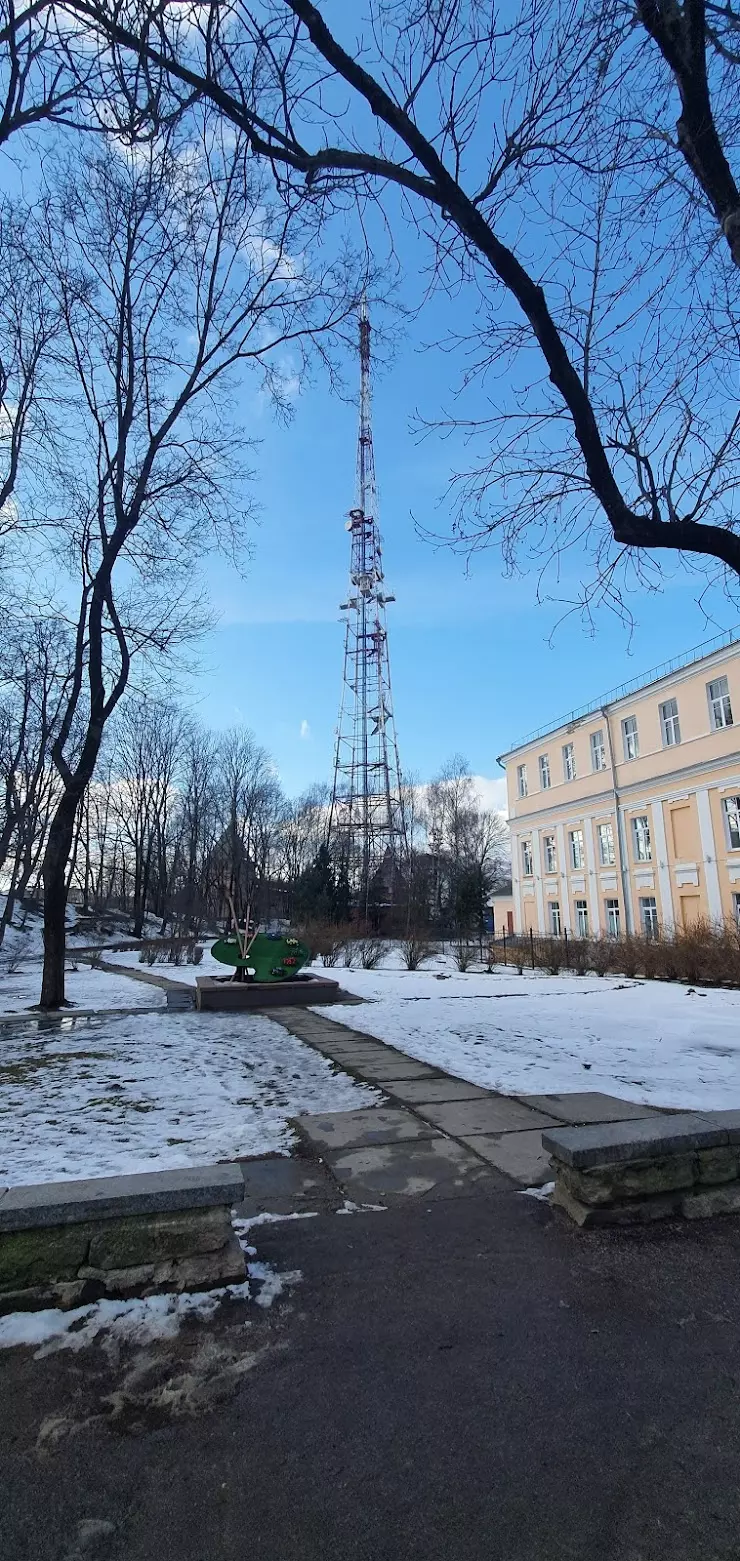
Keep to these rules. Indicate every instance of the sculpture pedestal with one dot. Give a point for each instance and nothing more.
(241, 996)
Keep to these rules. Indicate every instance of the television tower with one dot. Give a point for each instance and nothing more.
(365, 820)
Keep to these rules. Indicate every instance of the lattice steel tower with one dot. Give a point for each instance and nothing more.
(365, 821)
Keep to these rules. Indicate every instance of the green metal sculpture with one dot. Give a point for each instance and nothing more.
(261, 956)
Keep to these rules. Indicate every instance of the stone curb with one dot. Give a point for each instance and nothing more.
(115, 1197)
(613, 1143)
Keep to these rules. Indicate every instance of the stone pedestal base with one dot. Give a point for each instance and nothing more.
(240, 996)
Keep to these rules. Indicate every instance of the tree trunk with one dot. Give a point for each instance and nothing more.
(59, 846)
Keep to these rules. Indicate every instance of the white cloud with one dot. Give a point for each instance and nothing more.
(305, 729)
(492, 792)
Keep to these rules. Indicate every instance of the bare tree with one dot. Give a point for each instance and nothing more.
(467, 844)
(169, 272)
(520, 146)
(34, 668)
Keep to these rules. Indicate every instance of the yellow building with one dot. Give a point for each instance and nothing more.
(626, 816)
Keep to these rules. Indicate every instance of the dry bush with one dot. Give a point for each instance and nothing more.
(579, 954)
(149, 955)
(601, 955)
(630, 955)
(325, 940)
(464, 954)
(415, 948)
(369, 951)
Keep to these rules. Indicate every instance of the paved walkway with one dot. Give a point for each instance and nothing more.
(438, 1136)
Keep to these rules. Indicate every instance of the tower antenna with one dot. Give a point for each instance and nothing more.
(366, 830)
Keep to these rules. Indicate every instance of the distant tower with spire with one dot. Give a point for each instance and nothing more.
(366, 832)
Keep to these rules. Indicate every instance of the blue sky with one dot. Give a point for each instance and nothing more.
(477, 660)
(472, 663)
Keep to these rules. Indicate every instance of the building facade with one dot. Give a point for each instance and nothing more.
(626, 817)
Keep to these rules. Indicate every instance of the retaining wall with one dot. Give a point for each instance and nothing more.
(683, 1165)
(66, 1243)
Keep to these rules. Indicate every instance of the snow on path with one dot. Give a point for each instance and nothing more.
(652, 1042)
(107, 1096)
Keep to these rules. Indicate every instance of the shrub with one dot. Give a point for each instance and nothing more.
(331, 952)
(601, 954)
(370, 951)
(325, 940)
(579, 955)
(415, 949)
(464, 954)
(149, 954)
(631, 956)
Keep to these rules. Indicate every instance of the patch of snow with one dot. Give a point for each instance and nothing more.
(108, 1096)
(272, 1283)
(242, 1227)
(187, 974)
(541, 1034)
(137, 1321)
(362, 1208)
(85, 988)
(544, 1193)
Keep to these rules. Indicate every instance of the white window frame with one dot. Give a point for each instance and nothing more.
(610, 859)
(736, 905)
(642, 844)
(545, 777)
(598, 751)
(581, 909)
(551, 854)
(577, 850)
(649, 916)
(556, 924)
(731, 811)
(630, 737)
(521, 780)
(670, 725)
(720, 704)
(613, 918)
(527, 859)
(569, 762)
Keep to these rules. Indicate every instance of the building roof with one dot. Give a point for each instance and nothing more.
(634, 686)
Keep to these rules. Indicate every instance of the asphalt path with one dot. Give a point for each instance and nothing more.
(471, 1381)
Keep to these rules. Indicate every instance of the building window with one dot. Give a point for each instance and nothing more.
(606, 845)
(582, 918)
(569, 762)
(555, 924)
(612, 918)
(521, 779)
(649, 916)
(576, 848)
(527, 863)
(598, 751)
(630, 738)
(641, 839)
(720, 708)
(545, 771)
(731, 806)
(551, 856)
(669, 723)
(736, 907)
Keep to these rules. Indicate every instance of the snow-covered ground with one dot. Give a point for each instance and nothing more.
(652, 1042)
(185, 973)
(21, 958)
(100, 1097)
(85, 988)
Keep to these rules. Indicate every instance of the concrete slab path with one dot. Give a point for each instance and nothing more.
(503, 1132)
